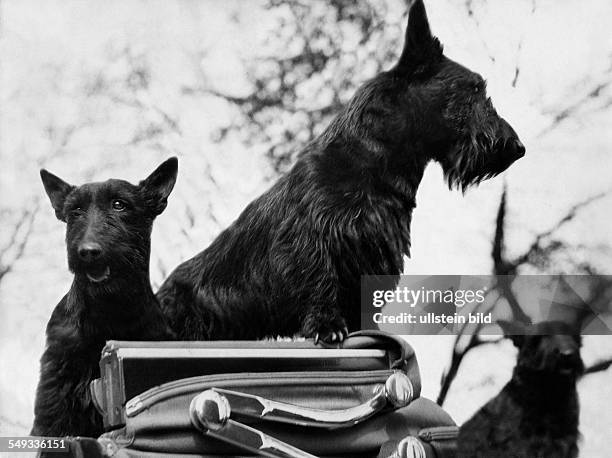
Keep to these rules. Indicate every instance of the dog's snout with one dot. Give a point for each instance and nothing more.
(512, 146)
(90, 251)
(567, 352)
(567, 355)
(518, 147)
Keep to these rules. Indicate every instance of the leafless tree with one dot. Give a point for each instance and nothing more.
(539, 255)
(20, 231)
(318, 53)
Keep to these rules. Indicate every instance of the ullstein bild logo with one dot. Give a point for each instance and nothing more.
(452, 304)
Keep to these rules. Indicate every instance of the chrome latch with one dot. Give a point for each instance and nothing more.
(210, 413)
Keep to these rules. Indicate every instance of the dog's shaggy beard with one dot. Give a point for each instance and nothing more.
(474, 160)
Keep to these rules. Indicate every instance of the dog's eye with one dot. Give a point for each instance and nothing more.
(118, 205)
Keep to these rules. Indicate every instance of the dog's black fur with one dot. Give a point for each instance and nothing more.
(536, 413)
(108, 238)
(292, 261)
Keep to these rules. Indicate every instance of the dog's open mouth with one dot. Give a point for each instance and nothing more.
(568, 368)
(98, 274)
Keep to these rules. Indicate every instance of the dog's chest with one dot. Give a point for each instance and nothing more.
(376, 239)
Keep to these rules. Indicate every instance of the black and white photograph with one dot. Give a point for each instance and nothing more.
(306, 228)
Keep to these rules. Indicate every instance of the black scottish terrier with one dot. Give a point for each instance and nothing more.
(536, 413)
(108, 237)
(292, 261)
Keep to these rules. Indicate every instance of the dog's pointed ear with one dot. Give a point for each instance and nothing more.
(57, 190)
(421, 48)
(158, 186)
(514, 330)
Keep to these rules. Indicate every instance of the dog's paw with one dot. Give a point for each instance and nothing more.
(327, 330)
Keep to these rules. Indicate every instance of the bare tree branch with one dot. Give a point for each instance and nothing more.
(17, 424)
(457, 358)
(475, 340)
(519, 48)
(500, 265)
(538, 246)
(572, 109)
(504, 270)
(309, 84)
(600, 366)
(16, 245)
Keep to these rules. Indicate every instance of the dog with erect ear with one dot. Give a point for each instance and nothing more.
(108, 239)
(293, 260)
(537, 412)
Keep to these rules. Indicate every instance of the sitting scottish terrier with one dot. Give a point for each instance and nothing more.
(293, 260)
(536, 413)
(108, 236)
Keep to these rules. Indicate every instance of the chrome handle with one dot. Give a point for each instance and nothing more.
(210, 413)
(397, 392)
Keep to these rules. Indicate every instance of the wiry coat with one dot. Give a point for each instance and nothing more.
(293, 260)
(297, 251)
(536, 414)
(79, 327)
(108, 244)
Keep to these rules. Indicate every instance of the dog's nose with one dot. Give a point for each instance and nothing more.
(519, 148)
(568, 353)
(567, 356)
(90, 251)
